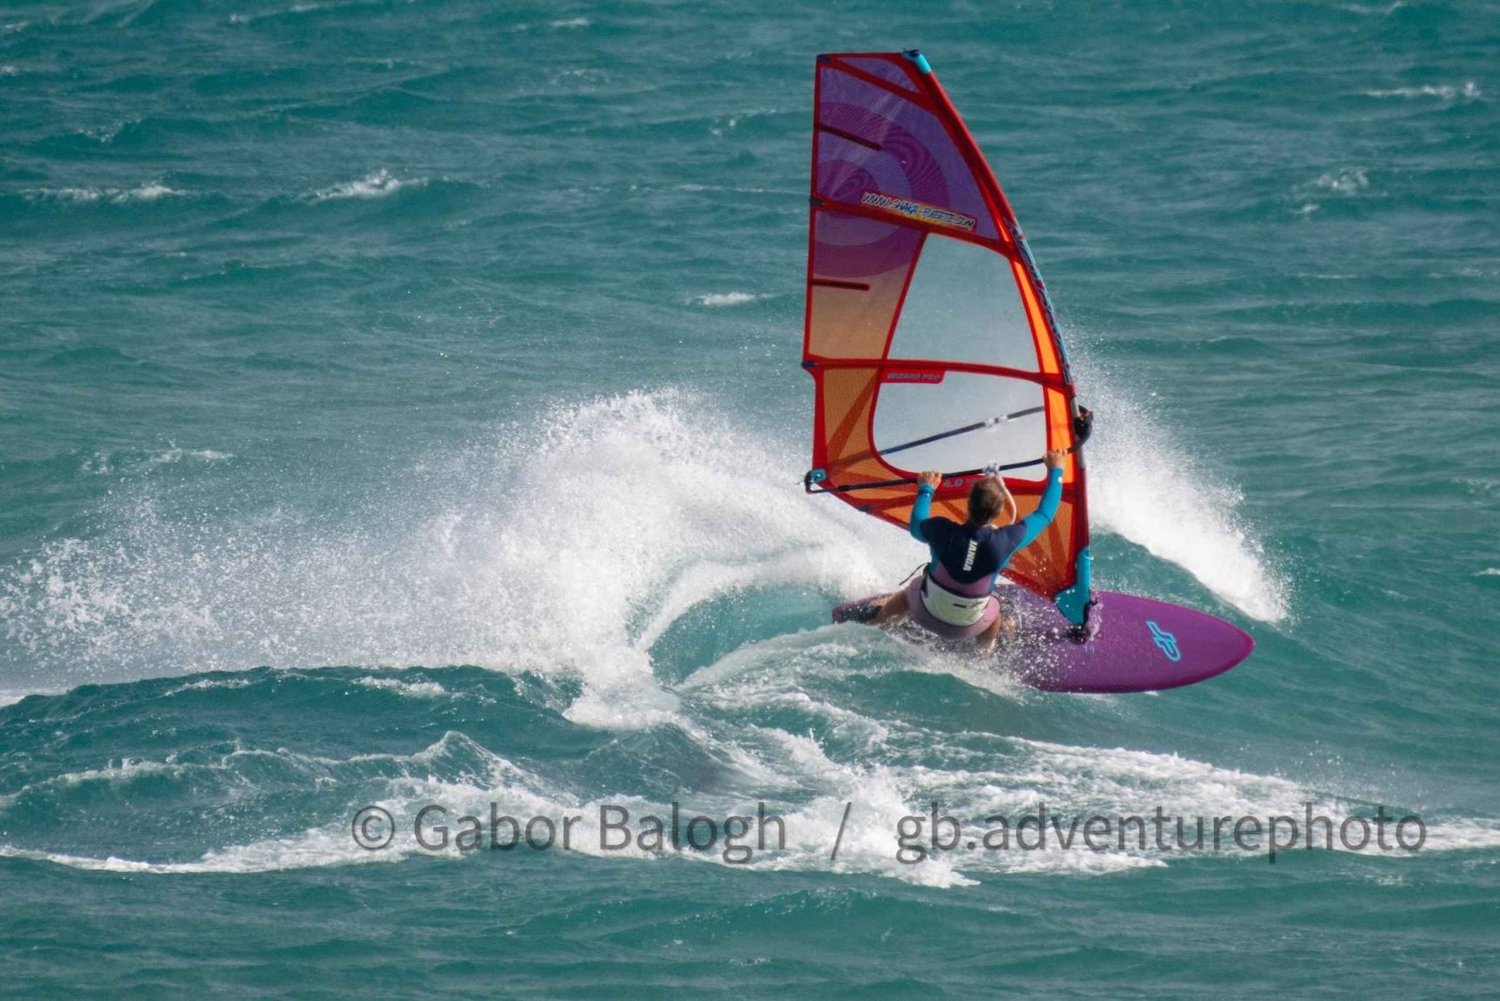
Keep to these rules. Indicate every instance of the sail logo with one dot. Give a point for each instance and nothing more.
(909, 376)
(920, 211)
(1165, 641)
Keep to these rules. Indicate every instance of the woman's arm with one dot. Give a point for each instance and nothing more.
(922, 509)
(1039, 519)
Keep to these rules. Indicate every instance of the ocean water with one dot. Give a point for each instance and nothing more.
(400, 405)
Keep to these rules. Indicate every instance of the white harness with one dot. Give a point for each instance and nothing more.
(954, 609)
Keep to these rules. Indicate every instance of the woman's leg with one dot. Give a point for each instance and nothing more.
(986, 641)
(1004, 625)
(892, 609)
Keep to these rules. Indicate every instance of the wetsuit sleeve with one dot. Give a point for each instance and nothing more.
(921, 511)
(1039, 519)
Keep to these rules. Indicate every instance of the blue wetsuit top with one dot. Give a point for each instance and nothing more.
(973, 554)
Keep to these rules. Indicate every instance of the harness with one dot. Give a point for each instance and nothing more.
(947, 606)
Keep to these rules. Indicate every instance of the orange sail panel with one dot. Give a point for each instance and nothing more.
(928, 332)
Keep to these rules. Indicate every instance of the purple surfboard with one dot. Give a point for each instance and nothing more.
(1137, 644)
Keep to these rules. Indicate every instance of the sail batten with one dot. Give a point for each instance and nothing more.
(925, 314)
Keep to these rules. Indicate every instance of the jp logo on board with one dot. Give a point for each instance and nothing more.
(1165, 641)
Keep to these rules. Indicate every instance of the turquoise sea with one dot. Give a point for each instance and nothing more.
(400, 405)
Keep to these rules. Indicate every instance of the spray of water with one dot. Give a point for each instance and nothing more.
(573, 548)
(570, 547)
(1145, 487)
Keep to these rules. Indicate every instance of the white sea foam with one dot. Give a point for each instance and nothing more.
(108, 464)
(149, 192)
(1347, 181)
(560, 24)
(1373, 9)
(410, 689)
(715, 299)
(1468, 90)
(117, 772)
(212, 684)
(176, 454)
(857, 798)
(313, 849)
(856, 805)
(71, 194)
(435, 572)
(1463, 834)
(380, 184)
(300, 8)
(695, 187)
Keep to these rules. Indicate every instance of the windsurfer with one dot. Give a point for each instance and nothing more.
(954, 596)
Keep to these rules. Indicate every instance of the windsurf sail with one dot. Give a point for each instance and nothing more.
(928, 332)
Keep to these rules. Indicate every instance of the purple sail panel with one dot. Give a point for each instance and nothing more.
(856, 248)
(873, 142)
(885, 69)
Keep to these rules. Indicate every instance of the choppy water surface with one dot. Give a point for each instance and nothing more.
(399, 405)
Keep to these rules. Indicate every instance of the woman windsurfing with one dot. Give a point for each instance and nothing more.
(954, 596)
